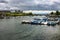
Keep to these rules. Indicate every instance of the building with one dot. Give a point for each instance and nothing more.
(3, 13)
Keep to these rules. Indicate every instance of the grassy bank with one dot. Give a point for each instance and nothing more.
(19, 14)
(16, 14)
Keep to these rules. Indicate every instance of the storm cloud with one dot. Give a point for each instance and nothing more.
(30, 4)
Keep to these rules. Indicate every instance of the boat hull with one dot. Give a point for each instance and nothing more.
(51, 24)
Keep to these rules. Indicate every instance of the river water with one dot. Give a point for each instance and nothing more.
(12, 29)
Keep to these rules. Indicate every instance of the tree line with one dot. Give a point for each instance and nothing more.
(16, 13)
(55, 13)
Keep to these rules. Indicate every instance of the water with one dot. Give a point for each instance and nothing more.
(12, 29)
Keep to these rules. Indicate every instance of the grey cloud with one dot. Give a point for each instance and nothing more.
(3, 1)
(28, 5)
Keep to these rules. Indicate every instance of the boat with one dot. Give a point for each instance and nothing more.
(54, 20)
(36, 22)
(44, 23)
(26, 22)
(51, 23)
(42, 20)
(58, 20)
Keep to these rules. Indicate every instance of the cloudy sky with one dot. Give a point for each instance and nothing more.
(30, 4)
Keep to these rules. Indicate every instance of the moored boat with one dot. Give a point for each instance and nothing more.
(35, 21)
(44, 23)
(26, 22)
(41, 21)
(51, 23)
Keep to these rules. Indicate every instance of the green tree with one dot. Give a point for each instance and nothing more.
(30, 13)
(57, 12)
(52, 13)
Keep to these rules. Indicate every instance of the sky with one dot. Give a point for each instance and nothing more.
(30, 4)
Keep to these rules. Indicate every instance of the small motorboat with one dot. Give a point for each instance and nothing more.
(51, 23)
(26, 22)
(36, 21)
(54, 20)
(57, 21)
(44, 23)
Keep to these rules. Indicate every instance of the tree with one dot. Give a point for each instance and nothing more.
(52, 13)
(57, 12)
(30, 13)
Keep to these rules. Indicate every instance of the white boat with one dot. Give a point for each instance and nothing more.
(38, 20)
(45, 23)
(26, 22)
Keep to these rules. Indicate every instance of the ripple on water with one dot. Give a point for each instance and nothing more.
(11, 29)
